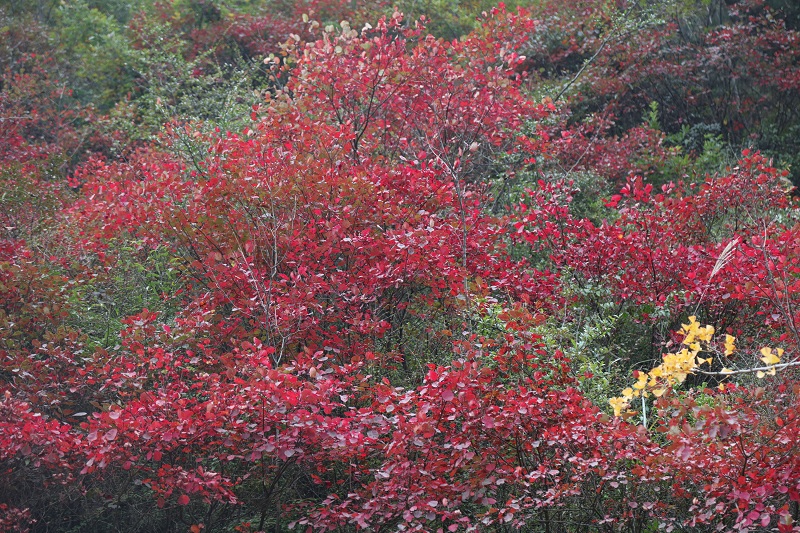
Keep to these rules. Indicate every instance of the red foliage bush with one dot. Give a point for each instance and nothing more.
(357, 343)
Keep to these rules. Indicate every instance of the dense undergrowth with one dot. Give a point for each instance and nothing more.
(449, 266)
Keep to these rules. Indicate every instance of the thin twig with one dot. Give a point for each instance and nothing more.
(747, 370)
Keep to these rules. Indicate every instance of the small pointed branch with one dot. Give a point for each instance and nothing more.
(586, 63)
(589, 61)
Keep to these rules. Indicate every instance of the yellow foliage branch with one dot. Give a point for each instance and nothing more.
(677, 366)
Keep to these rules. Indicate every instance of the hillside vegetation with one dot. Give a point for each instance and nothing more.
(326, 265)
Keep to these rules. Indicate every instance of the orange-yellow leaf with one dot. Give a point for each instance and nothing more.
(730, 345)
(769, 358)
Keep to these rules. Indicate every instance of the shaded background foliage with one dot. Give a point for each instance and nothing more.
(332, 265)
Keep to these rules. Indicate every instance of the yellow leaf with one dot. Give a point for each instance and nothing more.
(618, 404)
(627, 393)
(689, 330)
(769, 357)
(726, 371)
(730, 345)
(759, 374)
(659, 392)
